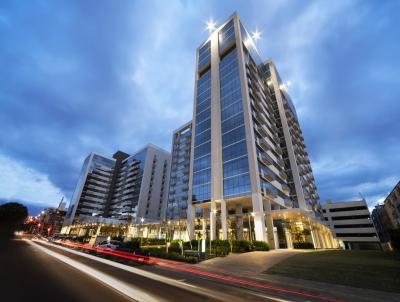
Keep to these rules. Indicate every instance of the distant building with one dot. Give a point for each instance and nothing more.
(51, 220)
(386, 216)
(121, 189)
(351, 223)
(381, 221)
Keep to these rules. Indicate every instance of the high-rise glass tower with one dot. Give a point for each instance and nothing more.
(248, 158)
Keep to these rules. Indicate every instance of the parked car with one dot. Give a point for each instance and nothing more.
(111, 245)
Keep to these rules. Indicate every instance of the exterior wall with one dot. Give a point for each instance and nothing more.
(91, 193)
(350, 221)
(179, 176)
(303, 191)
(125, 188)
(381, 221)
(152, 204)
(392, 208)
(237, 163)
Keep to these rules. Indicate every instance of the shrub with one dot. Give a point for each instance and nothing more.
(303, 245)
(132, 245)
(175, 247)
(220, 247)
(162, 253)
(241, 246)
(260, 246)
(191, 245)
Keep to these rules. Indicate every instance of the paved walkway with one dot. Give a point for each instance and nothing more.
(253, 262)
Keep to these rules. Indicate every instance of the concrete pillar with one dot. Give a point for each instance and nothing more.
(258, 215)
(288, 237)
(276, 238)
(98, 230)
(314, 237)
(213, 223)
(269, 237)
(239, 223)
(190, 214)
(328, 240)
(322, 239)
(224, 221)
(203, 228)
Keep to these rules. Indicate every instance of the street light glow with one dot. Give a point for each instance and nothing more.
(210, 25)
(142, 219)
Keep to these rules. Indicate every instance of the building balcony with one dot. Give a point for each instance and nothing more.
(268, 176)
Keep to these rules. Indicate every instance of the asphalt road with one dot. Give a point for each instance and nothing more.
(29, 273)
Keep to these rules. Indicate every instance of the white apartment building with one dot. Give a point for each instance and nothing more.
(121, 189)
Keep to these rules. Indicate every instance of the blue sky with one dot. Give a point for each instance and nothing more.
(78, 76)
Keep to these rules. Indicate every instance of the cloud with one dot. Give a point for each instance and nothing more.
(21, 183)
(123, 76)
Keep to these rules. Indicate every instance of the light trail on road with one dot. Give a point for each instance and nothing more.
(194, 270)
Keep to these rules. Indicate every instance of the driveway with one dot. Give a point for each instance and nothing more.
(252, 262)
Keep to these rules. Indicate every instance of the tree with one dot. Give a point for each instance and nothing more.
(12, 216)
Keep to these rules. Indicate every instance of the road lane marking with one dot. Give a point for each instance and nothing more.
(172, 282)
(169, 281)
(128, 290)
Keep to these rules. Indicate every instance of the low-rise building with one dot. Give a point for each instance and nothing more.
(351, 223)
(51, 220)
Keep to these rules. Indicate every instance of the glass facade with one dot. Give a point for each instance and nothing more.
(201, 183)
(179, 180)
(204, 55)
(234, 150)
(226, 36)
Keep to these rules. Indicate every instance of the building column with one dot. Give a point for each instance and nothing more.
(239, 223)
(328, 240)
(258, 215)
(203, 229)
(314, 237)
(190, 217)
(213, 222)
(288, 237)
(269, 237)
(322, 240)
(223, 220)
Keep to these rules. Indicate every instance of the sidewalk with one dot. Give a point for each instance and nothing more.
(252, 265)
(252, 262)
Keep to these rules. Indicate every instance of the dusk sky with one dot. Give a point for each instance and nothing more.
(82, 76)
